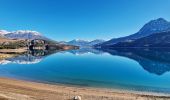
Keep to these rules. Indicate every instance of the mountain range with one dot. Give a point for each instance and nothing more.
(21, 39)
(147, 32)
(22, 34)
(155, 40)
(84, 43)
(27, 34)
(155, 33)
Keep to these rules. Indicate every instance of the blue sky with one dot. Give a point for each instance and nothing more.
(81, 19)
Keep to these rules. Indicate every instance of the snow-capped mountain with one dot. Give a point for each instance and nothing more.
(78, 42)
(22, 34)
(97, 41)
(83, 43)
(154, 26)
(3, 32)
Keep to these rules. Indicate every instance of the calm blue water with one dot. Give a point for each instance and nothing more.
(142, 70)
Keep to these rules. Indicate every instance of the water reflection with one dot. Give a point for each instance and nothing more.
(29, 57)
(155, 60)
(85, 51)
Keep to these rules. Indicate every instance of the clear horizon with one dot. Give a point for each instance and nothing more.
(65, 20)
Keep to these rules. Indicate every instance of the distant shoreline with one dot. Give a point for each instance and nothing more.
(19, 89)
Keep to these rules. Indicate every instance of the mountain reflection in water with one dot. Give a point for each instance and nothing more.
(153, 60)
(29, 57)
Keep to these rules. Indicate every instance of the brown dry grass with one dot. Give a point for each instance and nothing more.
(2, 98)
(7, 40)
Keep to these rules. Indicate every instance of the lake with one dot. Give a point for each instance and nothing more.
(138, 69)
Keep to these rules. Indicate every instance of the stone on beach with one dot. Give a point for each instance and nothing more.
(77, 98)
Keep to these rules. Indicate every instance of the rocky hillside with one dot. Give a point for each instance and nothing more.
(21, 39)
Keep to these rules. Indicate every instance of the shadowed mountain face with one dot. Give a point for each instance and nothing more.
(154, 26)
(156, 61)
(154, 40)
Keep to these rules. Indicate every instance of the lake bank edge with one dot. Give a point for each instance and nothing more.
(14, 89)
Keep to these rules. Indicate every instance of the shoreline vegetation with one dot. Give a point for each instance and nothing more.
(11, 89)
